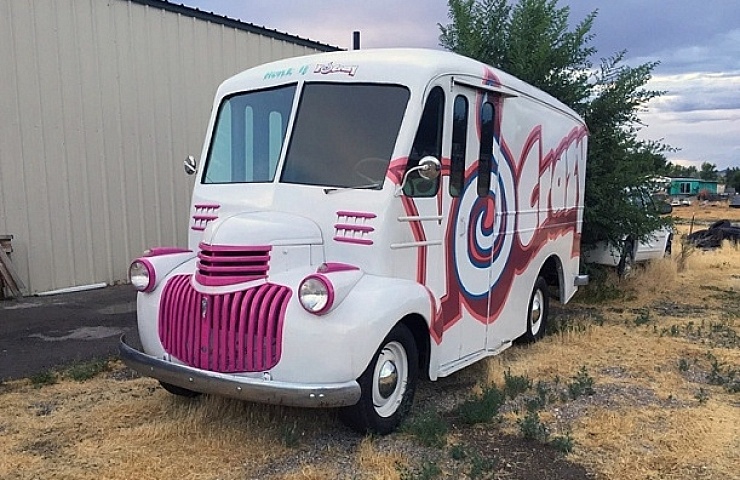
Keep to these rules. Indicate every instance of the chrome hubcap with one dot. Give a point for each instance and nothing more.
(535, 316)
(388, 379)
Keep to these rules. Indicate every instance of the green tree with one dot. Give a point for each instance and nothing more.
(531, 40)
(732, 178)
(679, 171)
(708, 171)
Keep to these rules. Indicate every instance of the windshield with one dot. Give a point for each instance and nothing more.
(249, 134)
(344, 134)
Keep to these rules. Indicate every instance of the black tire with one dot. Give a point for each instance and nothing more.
(668, 247)
(538, 311)
(179, 391)
(627, 260)
(384, 404)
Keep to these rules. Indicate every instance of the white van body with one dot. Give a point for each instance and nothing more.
(631, 251)
(328, 264)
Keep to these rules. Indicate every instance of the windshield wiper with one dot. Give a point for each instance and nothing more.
(369, 186)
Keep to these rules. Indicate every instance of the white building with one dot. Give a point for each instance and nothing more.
(100, 102)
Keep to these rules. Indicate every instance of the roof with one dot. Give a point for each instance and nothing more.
(692, 179)
(235, 23)
(413, 67)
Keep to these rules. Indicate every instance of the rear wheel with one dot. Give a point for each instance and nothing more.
(388, 385)
(627, 260)
(668, 247)
(537, 312)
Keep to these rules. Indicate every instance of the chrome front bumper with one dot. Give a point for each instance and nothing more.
(242, 388)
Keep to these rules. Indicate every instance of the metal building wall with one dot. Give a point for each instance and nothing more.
(100, 102)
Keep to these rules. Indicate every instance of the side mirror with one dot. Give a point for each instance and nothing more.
(190, 165)
(664, 208)
(429, 168)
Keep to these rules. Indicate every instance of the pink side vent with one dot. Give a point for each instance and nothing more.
(157, 251)
(331, 267)
(345, 213)
(204, 214)
(352, 227)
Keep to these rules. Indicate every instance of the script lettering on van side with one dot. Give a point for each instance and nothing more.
(533, 199)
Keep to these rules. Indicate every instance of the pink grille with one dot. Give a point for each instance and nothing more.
(220, 265)
(204, 214)
(233, 332)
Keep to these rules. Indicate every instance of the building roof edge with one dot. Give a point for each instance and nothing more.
(235, 23)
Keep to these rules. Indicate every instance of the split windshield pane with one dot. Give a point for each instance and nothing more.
(249, 136)
(344, 134)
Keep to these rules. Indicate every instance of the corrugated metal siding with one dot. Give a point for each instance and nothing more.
(100, 101)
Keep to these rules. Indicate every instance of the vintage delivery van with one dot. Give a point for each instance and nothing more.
(360, 219)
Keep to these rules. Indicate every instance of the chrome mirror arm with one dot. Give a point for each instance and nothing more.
(429, 168)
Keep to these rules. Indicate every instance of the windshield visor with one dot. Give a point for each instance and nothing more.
(344, 135)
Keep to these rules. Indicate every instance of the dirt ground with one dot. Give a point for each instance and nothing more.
(638, 379)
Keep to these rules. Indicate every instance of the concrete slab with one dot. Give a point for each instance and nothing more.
(40, 333)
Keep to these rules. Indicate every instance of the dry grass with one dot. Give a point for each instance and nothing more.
(707, 213)
(656, 413)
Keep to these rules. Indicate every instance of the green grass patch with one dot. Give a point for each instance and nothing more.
(483, 408)
(429, 428)
(47, 377)
(83, 371)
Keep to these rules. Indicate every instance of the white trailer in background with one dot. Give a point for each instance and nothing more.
(360, 218)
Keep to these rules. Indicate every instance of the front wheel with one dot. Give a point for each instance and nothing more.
(179, 391)
(388, 385)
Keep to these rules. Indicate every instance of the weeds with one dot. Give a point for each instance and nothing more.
(582, 384)
(514, 385)
(702, 396)
(683, 365)
(289, 435)
(47, 377)
(563, 443)
(457, 452)
(483, 408)
(722, 375)
(480, 465)
(720, 334)
(687, 249)
(427, 471)
(86, 370)
(532, 428)
(429, 428)
(643, 318)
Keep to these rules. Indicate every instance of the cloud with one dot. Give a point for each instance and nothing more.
(696, 91)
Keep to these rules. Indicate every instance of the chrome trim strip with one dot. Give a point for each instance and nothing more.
(424, 243)
(242, 388)
(420, 218)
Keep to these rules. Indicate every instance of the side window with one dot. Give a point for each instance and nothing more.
(485, 157)
(428, 141)
(459, 144)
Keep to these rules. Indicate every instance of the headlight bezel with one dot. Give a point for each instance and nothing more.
(325, 289)
(142, 275)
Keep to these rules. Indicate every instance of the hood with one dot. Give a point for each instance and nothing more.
(263, 228)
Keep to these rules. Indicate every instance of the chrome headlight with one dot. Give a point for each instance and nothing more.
(316, 294)
(141, 274)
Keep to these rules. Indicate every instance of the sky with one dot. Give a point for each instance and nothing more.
(696, 42)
